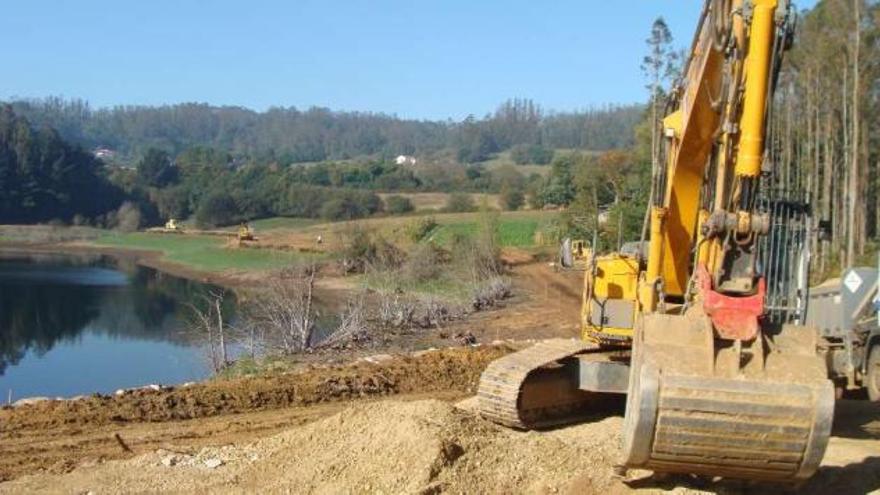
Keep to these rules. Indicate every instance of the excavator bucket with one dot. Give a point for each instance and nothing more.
(698, 404)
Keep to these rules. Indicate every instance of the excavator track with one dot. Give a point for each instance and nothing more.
(535, 387)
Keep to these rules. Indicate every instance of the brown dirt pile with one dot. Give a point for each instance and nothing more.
(383, 447)
(430, 447)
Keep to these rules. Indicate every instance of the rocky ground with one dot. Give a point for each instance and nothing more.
(387, 424)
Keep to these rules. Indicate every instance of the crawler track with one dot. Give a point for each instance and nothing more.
(534, 388)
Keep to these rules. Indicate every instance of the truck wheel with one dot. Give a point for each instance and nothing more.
(872, 377)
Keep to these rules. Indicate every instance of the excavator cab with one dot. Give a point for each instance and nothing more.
(610, 302)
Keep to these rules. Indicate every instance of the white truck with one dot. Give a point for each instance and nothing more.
(845, 310)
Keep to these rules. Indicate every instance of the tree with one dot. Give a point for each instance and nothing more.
(822, 138)
(558, 188)
(217, 209)
(520, 154)
(512, 197)
(398, 205)
(627, 181)
(156, 169)
(659, 66)
(42, 177)
(342, 209)
(516, 121)
(459, 203)
(172, 202)
(854, 175)
(475, 142)
(523, 154)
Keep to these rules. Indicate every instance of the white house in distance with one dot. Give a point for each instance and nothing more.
(405, 160)
(104, 153)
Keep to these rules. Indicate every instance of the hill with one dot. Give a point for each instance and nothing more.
(291, 135)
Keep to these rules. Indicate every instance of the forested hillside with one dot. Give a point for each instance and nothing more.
(191, 159)
(44, 178)
(826, 132)
(290, 135)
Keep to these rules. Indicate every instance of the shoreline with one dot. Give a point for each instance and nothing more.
(143, 257)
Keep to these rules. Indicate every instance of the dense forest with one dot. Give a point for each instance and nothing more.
(42, 177)
(826, 133)
(290, 135)
(224, 165)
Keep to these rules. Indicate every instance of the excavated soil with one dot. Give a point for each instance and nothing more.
(422, 447)
(57, 435)
(383, 425)
(386, 447)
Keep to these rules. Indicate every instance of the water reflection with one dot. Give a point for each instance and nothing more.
(58, 311)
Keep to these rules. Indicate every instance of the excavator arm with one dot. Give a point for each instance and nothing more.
(717, 386)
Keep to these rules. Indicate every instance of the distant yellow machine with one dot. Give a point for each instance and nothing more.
(172, 226)
(245, 233)
(574, 255)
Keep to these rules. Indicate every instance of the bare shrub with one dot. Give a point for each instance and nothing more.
(394, 310)
(419, 228)
(128, 217)
(282, 317)
(45, 233)
(400, 311)
(284, 311)
(364, 248)
(352, 325)
(434, 312)
(425, 262)
(209, 325)
(479, 256)
(491, 292)
(79, 220)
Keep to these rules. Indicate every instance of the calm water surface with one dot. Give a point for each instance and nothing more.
(73, 325)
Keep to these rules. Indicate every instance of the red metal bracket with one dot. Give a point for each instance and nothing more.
(734, 318)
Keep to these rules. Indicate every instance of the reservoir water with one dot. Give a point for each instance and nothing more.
(72, 325)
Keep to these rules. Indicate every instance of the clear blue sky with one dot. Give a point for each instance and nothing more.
(432, 59)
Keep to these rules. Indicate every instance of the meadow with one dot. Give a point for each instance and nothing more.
(207, 253)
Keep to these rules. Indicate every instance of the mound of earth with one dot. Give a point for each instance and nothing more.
(425, 447)
(384, 447)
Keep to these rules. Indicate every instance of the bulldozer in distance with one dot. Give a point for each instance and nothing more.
(703, 325)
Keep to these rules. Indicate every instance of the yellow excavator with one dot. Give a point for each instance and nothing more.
(701, 325)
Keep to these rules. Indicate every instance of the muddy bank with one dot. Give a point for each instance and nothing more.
(27, 432)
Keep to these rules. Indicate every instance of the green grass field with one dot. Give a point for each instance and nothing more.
(209, 253)
(276, 223)
(205, 252)
(503, 158)
(512, 232)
